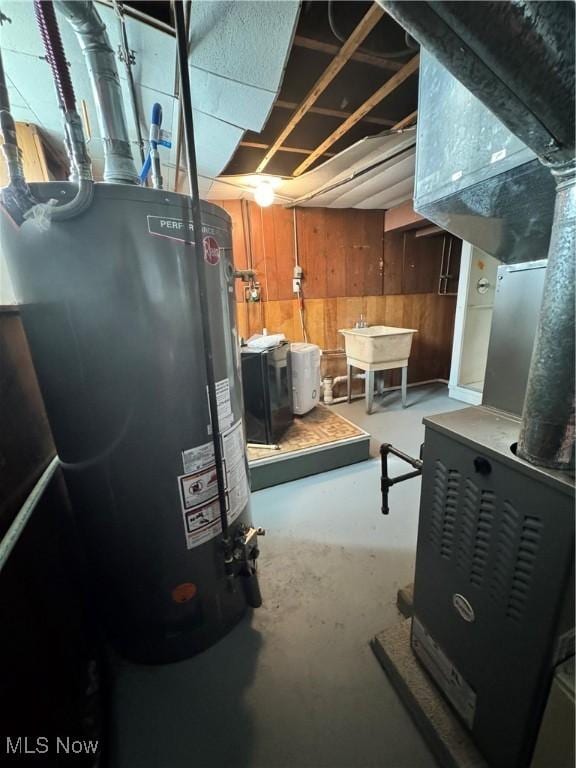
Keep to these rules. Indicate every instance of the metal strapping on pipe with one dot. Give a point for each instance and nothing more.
(13, 533)
(91, 32)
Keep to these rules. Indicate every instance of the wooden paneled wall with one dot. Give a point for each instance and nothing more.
(351, 268)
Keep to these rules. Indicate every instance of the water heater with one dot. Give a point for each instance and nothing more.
(110, 306)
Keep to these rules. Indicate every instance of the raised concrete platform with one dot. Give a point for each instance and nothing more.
(447, 739)
(317, 442)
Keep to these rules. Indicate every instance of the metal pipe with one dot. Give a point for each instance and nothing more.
(119, 9)
(386, 482)
(80, 165)
(537, 104)
(547, 432)
(16, 198)
(91, 33)
(188, 124)
(15, 530)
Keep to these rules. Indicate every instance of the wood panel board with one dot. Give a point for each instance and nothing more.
(312, 252)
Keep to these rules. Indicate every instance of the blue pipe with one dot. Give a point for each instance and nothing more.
(152, 161)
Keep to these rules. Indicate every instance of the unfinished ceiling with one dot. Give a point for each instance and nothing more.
(279, 89)
(234, 82)
(381, 56)
(375, 173)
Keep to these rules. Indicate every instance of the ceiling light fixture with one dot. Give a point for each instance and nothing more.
(264, 194)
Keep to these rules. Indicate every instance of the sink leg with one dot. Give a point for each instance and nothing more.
(349, 382)
(369, 390)
(404, 385)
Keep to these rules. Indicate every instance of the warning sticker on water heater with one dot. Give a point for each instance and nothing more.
(199, 488)
(235, 470)
(202, 524)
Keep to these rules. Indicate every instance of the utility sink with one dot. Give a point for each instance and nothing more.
(377, 348)
(378, 344)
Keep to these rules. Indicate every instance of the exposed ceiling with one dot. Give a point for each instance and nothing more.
(376, 172)
(253, 64)
(234, 82)
(363, 74)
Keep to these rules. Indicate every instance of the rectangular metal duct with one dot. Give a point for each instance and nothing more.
(474, 177)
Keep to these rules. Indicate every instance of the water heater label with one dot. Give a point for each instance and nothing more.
(224, 403)
(211, 250)
(198, 488)
(202, 524)
(234, 453)
(182, 230)
(198, 458)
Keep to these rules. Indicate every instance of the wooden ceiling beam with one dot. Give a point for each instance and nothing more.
(406, 121)
(334, 113)
(364, 58)
(365, 26)
(296, 150)
(378, 96)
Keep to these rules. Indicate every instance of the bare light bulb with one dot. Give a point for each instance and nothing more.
(264, 194)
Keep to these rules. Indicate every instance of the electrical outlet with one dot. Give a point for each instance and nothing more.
(296, 285)
(298, 272)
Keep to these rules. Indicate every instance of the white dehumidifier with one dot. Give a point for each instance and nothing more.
(305, 359)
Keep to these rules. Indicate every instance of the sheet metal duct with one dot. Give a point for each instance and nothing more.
(488, 46)
(101, 62)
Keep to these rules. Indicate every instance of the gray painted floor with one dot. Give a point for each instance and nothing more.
(296, 685)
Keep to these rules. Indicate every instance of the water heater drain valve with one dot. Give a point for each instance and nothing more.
(246, 548)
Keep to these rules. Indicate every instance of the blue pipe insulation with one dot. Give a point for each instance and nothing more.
(155, 125)
(155, 140)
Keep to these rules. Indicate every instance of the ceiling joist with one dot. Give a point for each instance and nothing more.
(378, 96)
(296, 150)
(406, 121)
(332, 50)
(365, 26)
(334, 113)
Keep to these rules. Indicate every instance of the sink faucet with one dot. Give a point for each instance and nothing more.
(361, 323)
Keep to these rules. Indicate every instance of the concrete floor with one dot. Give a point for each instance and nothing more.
(296, 685)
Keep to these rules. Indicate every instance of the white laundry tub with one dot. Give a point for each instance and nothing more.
(378, 343)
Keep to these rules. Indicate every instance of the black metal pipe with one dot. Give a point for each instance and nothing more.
(188, 122)
(386, 482)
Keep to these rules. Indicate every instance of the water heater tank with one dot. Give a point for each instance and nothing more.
(110, 306)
